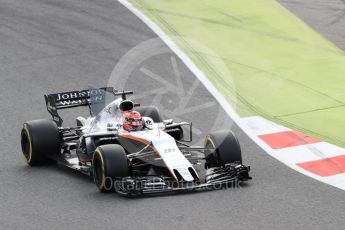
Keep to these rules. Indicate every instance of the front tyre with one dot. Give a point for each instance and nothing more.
(109, 162)
(150, 111)
(40, 141)
(225, 149)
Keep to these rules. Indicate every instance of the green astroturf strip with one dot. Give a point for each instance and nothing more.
(262, 58)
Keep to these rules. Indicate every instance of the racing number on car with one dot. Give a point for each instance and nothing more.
(169, 150)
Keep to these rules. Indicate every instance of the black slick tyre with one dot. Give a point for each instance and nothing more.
(40, 142)
(226, 149)
(109, 163)
(150, 111)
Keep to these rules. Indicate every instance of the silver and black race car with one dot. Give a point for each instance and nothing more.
(155, 158)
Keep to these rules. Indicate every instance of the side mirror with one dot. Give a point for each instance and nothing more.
(168, 121)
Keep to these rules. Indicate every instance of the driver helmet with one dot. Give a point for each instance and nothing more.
(132, 121)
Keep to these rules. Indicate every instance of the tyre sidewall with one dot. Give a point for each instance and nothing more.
(227, 148)
(113, 164)
(44, 140)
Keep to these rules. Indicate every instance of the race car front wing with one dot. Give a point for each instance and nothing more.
(230, 175)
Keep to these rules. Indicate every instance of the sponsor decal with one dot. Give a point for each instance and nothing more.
(79, 97)
(149, 122)
(74, 95)
(107, 138)
(119, 126)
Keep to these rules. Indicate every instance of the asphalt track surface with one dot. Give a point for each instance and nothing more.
(51, 46)
(326, 17)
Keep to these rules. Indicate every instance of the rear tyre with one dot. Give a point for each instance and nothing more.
(153, 112)
(150, 111)
(40, 141)
(226, 149)
(109, 163)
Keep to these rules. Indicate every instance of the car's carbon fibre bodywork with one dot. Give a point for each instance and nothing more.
(159, 158)
(231, 175)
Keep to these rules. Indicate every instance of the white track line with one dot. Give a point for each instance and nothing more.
(337, 181)
(259, 125)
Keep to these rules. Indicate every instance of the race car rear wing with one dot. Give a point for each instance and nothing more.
(65, 100)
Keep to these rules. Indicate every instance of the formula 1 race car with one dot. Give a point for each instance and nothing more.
(129, 148)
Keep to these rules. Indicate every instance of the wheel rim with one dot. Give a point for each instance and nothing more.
(210, 144)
